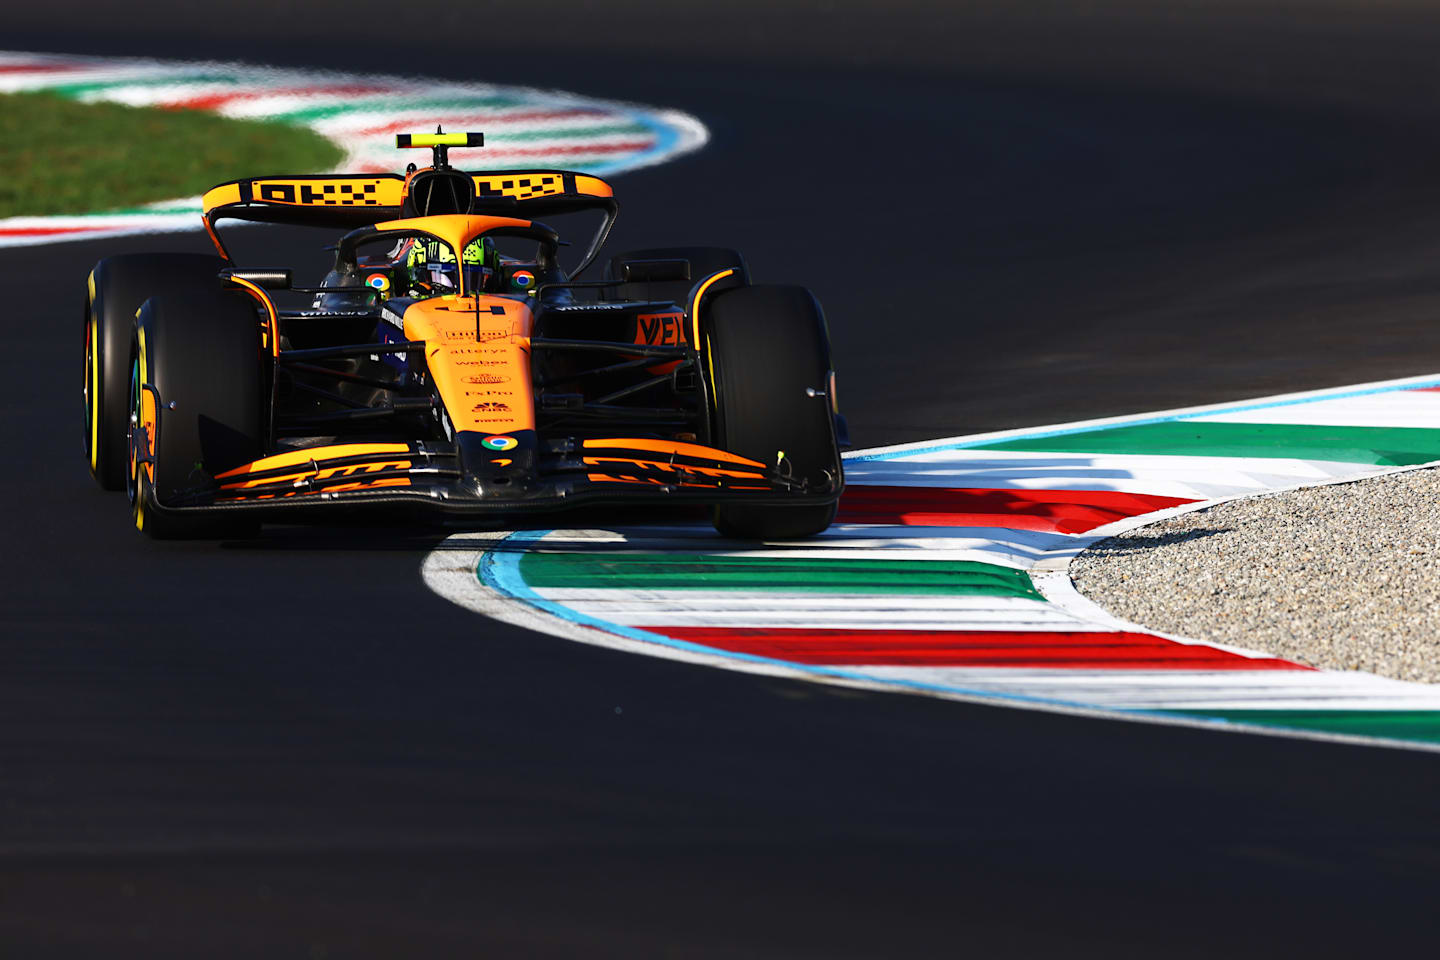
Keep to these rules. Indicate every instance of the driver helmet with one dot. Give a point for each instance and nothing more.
(434, 272)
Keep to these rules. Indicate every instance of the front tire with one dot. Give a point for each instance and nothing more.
(117, 287)
(771, 356)
(200, 351)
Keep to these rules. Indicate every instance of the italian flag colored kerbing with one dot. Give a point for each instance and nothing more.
(361, 114)
(944, 573)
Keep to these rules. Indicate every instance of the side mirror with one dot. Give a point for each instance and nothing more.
(654, 271)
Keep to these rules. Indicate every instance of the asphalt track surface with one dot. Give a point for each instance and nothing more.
(1015, 214)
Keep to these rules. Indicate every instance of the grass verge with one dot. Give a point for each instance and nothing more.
(62, 156)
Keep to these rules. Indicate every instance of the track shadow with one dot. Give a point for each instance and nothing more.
(1144, 540)
(420, 537)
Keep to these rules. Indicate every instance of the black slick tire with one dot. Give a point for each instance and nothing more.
(116, 288)
(200, 351)
(771, 358)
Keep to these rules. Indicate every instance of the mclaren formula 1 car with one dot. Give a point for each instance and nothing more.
(448, 363)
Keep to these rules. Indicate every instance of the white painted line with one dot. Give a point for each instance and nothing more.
(1401, 408)
(1126, 689)
(1191, 477)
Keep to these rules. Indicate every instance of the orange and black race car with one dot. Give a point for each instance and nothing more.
(447, 362)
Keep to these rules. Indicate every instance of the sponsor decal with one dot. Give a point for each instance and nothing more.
(581, 307)
(479, 378)
(522, 279)
(660, 329)
(478, 336)
(500, 443)
(492, 406)
(348, 192)
(520, 187)
(378, 281)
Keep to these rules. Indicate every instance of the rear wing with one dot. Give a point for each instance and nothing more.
(347, 201)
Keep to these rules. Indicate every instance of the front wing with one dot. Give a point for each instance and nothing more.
(428, 478)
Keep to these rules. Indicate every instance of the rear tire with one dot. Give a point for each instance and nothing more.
(117, 287)
(769, 345)
(703, 262)
(200, 350)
